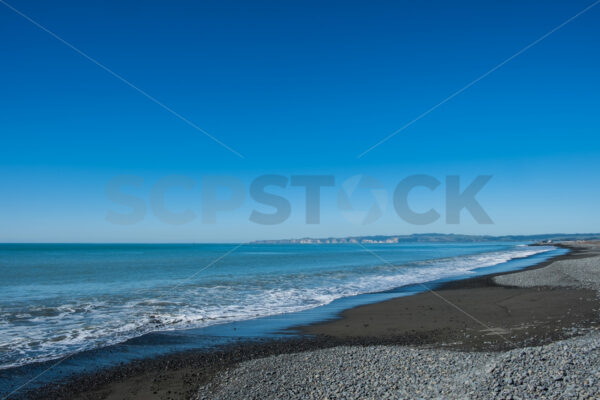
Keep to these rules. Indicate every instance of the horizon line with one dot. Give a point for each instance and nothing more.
(323, 238)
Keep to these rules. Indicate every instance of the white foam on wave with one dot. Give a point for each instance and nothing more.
(55, 331)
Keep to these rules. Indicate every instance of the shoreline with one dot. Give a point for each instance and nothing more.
(178, 375)
(475, 314)
(566, 366)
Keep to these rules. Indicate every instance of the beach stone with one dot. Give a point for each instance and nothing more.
(564, 369)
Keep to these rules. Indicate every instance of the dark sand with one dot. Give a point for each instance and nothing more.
(486, 318)
(506, 317)
(475, 314)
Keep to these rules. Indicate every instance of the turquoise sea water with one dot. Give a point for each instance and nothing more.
(57, 299)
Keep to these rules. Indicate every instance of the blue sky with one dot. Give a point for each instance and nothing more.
(297, 88)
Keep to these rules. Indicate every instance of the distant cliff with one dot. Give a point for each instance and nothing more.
(435, 238)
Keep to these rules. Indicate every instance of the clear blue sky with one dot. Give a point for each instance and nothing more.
(297, 88)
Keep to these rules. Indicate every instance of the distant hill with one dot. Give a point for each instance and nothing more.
(436, 238)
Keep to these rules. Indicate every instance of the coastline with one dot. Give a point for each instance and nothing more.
(179, 375)
(475, 314)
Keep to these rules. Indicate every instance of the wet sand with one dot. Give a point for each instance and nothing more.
(483, 319)
(499, 318)
(476, 314)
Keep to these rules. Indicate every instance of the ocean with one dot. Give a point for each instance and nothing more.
(60, 299)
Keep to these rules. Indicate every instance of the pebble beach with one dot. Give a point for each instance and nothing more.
(519, 335)
(565, 369)
(568, 368)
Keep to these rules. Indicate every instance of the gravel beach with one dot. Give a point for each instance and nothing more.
(581, 272)
(529, 334)
(567, 368)
(564, 369)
